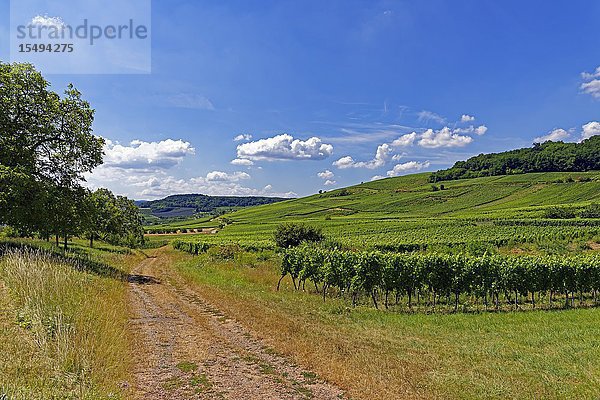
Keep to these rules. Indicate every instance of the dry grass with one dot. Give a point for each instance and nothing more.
(64, 330)
(376, 354)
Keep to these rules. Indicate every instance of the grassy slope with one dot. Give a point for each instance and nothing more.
(58, 337)
(412, 197)
(374, 354)
(407, 209)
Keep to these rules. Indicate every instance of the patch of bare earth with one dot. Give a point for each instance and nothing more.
(185, 348)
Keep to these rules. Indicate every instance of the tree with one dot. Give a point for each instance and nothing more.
(46, 142)
(100, 214)
(292, 234)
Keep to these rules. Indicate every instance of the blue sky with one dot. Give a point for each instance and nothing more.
(332, 93)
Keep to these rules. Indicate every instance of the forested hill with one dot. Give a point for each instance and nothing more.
(544, 157)
(197, 203)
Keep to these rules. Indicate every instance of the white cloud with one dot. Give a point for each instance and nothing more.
(139, 184)
(397, 157)
(427, 116)
(405, 140)
(144, 155)
(479, 130)
(244, 137)
(190, 100)
(285, 147)
(327, 174)
(377, 177)
(554, 135)
(220, 176)
(242, 161)
(592, 88)
(381, 156)
(400, 169)
(329, 182)
(591, 84)
(590, 129)
(444, 137)
(46, 21)
(467, 118)
(587, 76)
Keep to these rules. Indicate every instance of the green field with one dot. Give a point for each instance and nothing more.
(501, 210)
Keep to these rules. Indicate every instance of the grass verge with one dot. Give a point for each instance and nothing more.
(63, 326)
(374, 354)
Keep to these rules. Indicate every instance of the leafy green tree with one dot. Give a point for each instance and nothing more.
(293, 234)
(45, 142)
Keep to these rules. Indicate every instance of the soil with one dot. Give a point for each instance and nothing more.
(186, 348)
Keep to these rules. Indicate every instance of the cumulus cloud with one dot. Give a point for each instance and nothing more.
(590, 129)
(592, 88)
(379, 160)
(327, 174)
(405, 140)
(242, 137)
(467, 118)
(587, 75)
(242, 161)
(428, 116)
(554, 135)
(377, 177)
(329, 182)
(591, 84)
(143, 155)
(190, 100)
(479, 130)
(139, 184)
(46, 21)
(285, 147)
(400, 169)
(220, 176)
(444, 137)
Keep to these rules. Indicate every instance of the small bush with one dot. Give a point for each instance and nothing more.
(224, 251)
(291, 235)
(591, 211)
(559, 213)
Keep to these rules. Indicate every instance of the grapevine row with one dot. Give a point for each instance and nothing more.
(492, 279)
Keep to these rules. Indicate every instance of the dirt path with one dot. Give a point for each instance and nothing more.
(187, 349)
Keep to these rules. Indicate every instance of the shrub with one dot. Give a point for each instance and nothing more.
(591, 211)
(559, 213)
(291, 235)
(224, 251)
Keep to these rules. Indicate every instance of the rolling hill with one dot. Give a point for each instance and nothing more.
(186, 205)
(409, 210)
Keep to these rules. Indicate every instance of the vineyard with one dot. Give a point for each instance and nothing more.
(432, 279)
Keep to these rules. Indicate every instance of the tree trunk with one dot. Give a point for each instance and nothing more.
(456, 295)
(65, 242)
(92, 240)
(374, 297)
(387, 292)
(279, 282)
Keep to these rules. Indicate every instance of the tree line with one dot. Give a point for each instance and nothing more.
(46, 146)
(542, 157)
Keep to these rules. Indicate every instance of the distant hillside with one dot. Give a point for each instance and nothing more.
(184, 205)
(412, 196)
(545, 157)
